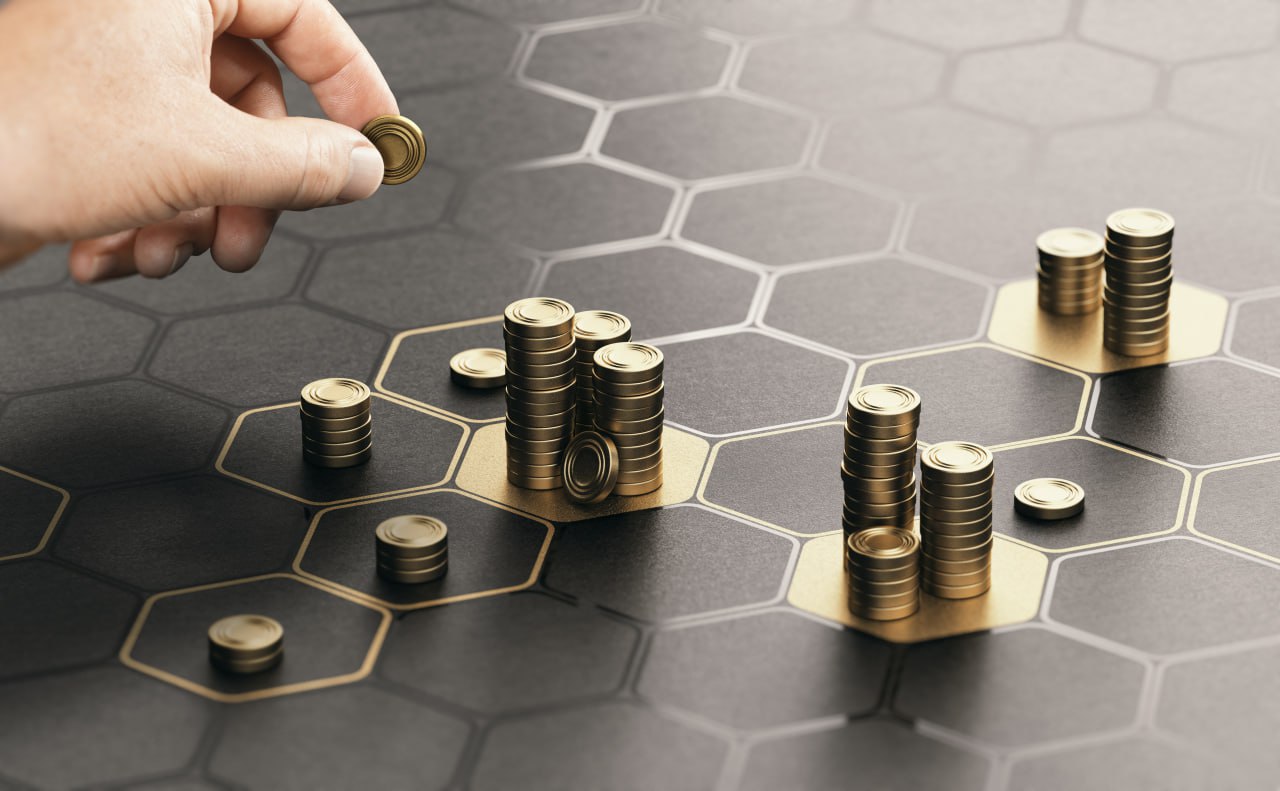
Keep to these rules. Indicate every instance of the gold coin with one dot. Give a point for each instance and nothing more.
(885, 405)
(1048, 498)
(590, 468)
(628, 362)
(539, 317)
(1140, 227)
(884, 546)
(335, 398)
(246, 643)
(412, 577)
(957, 462)
(479, 368)
(595, 328)
(1070, 244)
(401, 144)
(337, 462)
(411, 535)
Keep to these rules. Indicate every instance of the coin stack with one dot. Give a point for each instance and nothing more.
(956, 482)
(412, 549)
(245, 644)
(1070, 271)
(538, 333)
(628, 409)
(1139, 262)
(884, 573)
(880, 458)
(337, 424)
(593, 329)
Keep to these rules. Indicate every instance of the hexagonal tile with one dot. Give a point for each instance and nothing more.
(45, 267)
(628, 61)
(32, 509)
(567, 206)
(865, 308)
(1018, 688)
(493, 549)
(1188, 30)
(416, 364)
(430, 278)
(47, 340)
(406, 207)
(398, 744)
(711, 390)
(756, 17)
(988, 23)
(706, 562)
(1236, 93)
(786, 668)
(1190, 412)
(707, 136)
(1135, 762)
(524, 12)
(789, 221)
(185, 531)
(630, 747)
(330, 638)
(264, 354)
(1230, 244)
(962, 388)
(417, 47)
(512, 652)
(109, 433)
(1233, 504)
(1256, 331)
(663, 290)
(926, 148)
(178, 783)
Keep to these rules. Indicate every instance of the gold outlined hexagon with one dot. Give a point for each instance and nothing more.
(53, 521)
(394, 349)
(1195, 507)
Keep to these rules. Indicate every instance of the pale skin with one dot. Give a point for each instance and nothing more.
(148, 131)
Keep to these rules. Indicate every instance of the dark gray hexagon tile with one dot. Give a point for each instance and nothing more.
(707, 136)
(510, 652)
(790, 220)
(628, 61)
(413, 281)
(663, 290)
(567, 206)
(868, 308)
(417, 47)
(47, 340)
(309, 742)
(756, 17)
(1136, 762)
(489, 547)
(765, 670)
(988, 23)
(1126, 495)
(746, 381)
(879, 753)
(55, 618)
(419, 371)
(1019, 688)
(1256, 331)
(1193, 412)
(95, 727)
(705, 560)
(177, 784)
(964, 390)
(608, 745)
(264, 355)
(1188, 30)
(29, 509)
(45, 267)
(1235, 505)
(1229, 244)
(546, 11)
(109, 433)
(402, 207)
(1232, 93)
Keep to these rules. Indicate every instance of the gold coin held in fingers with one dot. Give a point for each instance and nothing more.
(401, 144)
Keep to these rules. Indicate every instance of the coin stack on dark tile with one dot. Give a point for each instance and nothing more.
(538, 333)
(246, 644)
(880, 457)
(593, 329)
(412, 549)
(956, 484)
(627, 395)
(1070, 271)
(1139, 264)
(883, 573)
(337, 423)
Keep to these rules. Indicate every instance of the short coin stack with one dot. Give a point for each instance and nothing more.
(1070, 271)
(1139, 262)
(245, 644)
(540, 350)
(884, 573)
(956, 482)
(880, 458)
(593, 329)
(628, 409)
(337, 424)
(412, 549)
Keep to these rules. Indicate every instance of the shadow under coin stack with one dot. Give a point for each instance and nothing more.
(1139, 261)
(412, 549)
(956, 484)
(1070, 271)
(245, 644)
(538, 333)
(337, 423)
(880, 458)
(884, 573)
(628, 409)
(593, 329)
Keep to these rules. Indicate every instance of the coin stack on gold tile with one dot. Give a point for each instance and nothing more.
(593, 329)
(880, 458)
(1139, 264)
(956, 484)
(627, 398)
(337, 423)
(245, 644)
(412, 549)
(1070, 271)
(884, 573)
(540, 350)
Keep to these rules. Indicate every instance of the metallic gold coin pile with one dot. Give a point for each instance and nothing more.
(479, 369)
(591, 467)
(245, 644)
(1048, 498)
(956, 483)
(593, 329)
(337, 423)
(627, 397)
(412, 549)
(884, 573)
(1070, 271)
(541, 355)
(1139, 264)
(880, 458)
(401, 144)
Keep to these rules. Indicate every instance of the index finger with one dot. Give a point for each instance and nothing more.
(318, 45)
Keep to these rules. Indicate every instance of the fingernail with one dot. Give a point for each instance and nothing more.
(101, 266)
(365, 175)
(181, 256)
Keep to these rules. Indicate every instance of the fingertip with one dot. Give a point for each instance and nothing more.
(365, 175)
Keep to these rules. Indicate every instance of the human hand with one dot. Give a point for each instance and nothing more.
(148, 131)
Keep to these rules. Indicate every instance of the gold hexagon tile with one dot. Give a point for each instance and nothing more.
(1017, 322)
(42, 530)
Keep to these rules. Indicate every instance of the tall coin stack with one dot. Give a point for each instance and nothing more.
(337, 423)
(956, 481)
(884, 573)
(1139, 261)
(880, 458)
(1070, 271)
(538, 333)
(593, 329)
(628, 408)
